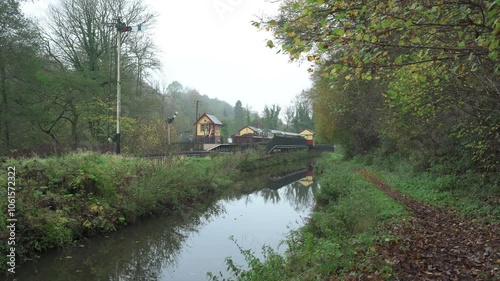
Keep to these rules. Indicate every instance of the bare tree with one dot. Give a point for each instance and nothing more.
(81, 32)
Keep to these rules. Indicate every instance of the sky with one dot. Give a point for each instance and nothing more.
(211, 46)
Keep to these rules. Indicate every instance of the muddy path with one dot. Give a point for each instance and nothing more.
(436, 245)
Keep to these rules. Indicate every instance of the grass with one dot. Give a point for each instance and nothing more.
(62, 199)
(351, 217)
(340, 238)
(469, 194)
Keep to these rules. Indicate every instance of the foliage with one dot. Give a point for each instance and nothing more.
(299, 115)
(58, 85)
(435, 63)
(19, 45)
(338, 241)
(371, 35)
(467, 192)
(270, 117)
(62, 199)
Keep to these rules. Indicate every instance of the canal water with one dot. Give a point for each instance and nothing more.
(186, 247)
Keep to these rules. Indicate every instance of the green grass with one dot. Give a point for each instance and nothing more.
(469, 194)
(62, 199)
(340, 238)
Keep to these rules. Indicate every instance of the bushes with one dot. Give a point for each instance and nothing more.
(61, 199)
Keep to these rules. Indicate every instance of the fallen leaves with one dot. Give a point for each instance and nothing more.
(436, 245)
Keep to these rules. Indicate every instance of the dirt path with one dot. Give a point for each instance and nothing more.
(436, 245)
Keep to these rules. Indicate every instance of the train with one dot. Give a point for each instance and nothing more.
(274, 140)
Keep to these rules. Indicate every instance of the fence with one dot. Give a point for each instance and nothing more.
(49, 149)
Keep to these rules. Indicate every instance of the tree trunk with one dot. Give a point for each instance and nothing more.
(3, 90)
(74, 125)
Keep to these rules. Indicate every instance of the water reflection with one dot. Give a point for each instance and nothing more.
(297, 188)
(185, 247)
(138, 252)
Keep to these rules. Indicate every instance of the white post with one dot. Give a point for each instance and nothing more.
(168, 130)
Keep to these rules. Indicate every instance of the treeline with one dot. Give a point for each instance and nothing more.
(295, 117)
(58, 84)
(58, 78)
(419, 78)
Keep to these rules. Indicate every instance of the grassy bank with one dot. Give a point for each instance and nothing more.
(340, 238)
(468, 193)
(59, 200)
(352, 218)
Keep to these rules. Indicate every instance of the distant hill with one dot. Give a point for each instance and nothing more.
(184, 101)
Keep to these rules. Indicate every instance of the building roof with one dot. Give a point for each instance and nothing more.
(282, 133)
(255, 129)
(214, 119)
(211, 117)
(310, 131)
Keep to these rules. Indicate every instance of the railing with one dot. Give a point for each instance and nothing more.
(49, 149)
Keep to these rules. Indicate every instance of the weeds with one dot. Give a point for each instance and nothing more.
(339, 239)
(62, 199)
(468, 193)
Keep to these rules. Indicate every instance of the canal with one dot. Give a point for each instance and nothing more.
(186, 247)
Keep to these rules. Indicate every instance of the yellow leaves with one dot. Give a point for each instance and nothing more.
(297, 41)
(96, 208)
(353, 13)
(366, 76)
(415, 40)
(87, 224)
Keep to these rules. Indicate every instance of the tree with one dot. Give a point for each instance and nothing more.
(348, 113)
(302, 118)
(19, 45)
(270, 116)
(439, 60)
(298, 116)
(80, 38)
(238, 115)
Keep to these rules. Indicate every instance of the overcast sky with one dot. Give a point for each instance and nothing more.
(210, 46)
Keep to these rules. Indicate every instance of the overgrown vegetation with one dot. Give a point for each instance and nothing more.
(468, 192)
(404, 76)
(340, 238)
(62, 199)
(352, 219)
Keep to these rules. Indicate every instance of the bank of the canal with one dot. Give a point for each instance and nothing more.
(60, 200)
(383, 219)
(186, 245)
(339, 240)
